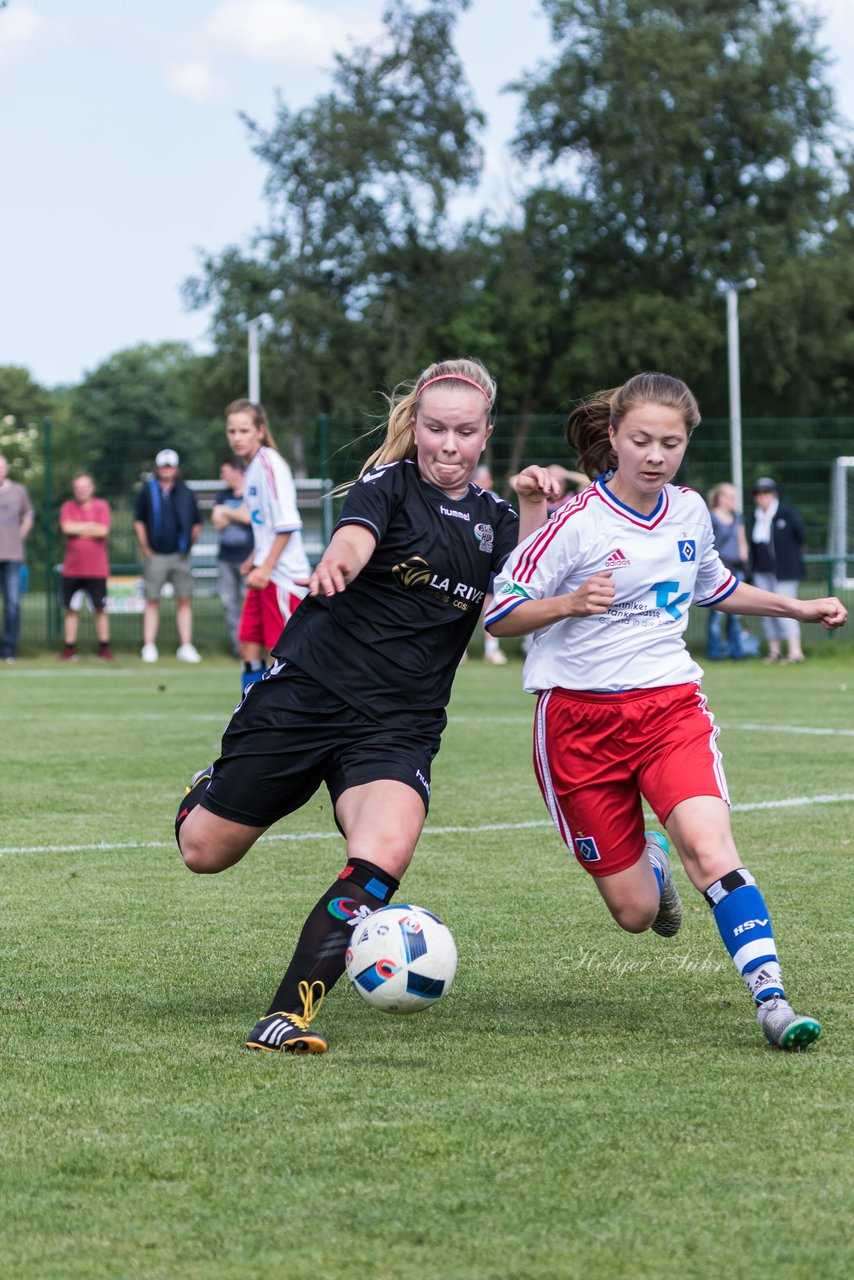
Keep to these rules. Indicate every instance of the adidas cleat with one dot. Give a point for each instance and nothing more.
(782, 1026)
(201, 775)
(193, 793)
(289, 1032)
(669, 919)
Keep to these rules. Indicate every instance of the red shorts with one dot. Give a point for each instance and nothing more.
(265, 612)
(598, 755)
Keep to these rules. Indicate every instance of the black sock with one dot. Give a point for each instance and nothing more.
(102, 644)
(322, 945)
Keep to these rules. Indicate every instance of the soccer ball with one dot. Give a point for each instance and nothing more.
(401, 959)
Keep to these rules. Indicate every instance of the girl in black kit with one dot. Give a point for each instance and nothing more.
(362, 675)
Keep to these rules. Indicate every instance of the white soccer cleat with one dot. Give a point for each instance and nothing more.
(188, 653)
(149, 653)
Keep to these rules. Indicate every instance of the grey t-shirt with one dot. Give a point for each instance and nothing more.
(14, 507)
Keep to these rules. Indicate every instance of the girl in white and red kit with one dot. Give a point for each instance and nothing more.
(605, 587)
(277, 571)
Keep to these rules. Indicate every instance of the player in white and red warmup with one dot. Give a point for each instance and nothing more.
(605, 587)
(278, 570)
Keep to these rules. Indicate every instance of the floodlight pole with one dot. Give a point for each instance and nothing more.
(734, 368)
(253, 327)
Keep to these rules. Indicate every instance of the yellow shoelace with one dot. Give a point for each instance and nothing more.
(310, 1007)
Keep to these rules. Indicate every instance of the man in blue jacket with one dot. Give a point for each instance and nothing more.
(167, 523)
(777, 564)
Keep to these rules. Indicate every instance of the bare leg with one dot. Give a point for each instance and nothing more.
(72, 619)
(150, 621)
(102, 626)
(209, 843)
(184, 620)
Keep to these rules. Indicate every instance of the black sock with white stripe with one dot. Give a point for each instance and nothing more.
(322, 945)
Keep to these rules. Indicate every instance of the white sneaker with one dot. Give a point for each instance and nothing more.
(496, 658)
(188, 653)
(149, 653)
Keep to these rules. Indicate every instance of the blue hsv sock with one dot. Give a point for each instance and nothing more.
(744, 923)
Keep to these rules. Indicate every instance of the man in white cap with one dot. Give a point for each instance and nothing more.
(167, 523)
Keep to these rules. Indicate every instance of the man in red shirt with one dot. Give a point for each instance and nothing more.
(85, 522)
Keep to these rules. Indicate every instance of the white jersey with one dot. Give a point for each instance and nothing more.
(660, 564)
(271, 496)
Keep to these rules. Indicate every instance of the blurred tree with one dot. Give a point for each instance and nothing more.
(352, 271)
(701, 134)
(798, 330)
(133, 404)
(686, 142)
(23, 403)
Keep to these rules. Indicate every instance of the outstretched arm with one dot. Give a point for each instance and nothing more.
(752, 602)
(535, 486)
(350, 548)
(594, 596)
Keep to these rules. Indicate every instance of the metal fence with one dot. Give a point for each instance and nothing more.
(798, 453)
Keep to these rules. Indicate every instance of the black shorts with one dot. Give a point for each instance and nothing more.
(290, 734)
(95, 589)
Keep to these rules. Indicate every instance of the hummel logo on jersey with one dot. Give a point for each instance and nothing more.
(458, 515)
(617, 560)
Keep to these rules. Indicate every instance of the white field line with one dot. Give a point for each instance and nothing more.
(747, 728)
(223, 718)
(793, 802)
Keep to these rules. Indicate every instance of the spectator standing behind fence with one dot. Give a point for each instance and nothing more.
(233, 523)
(16, 520)
(777, 564)
(85, 525)
(167, 523)
(731, 546)
(278, 570)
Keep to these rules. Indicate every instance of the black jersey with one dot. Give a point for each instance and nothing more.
(393, 639)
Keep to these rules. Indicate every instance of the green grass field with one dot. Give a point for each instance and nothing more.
(583, 1104)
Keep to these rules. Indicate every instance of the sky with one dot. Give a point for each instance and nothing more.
(124, 158)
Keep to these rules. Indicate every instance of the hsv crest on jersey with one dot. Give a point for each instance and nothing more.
(617, 560)
(687, 550)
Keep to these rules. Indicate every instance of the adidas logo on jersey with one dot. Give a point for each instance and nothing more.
(617, 560)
